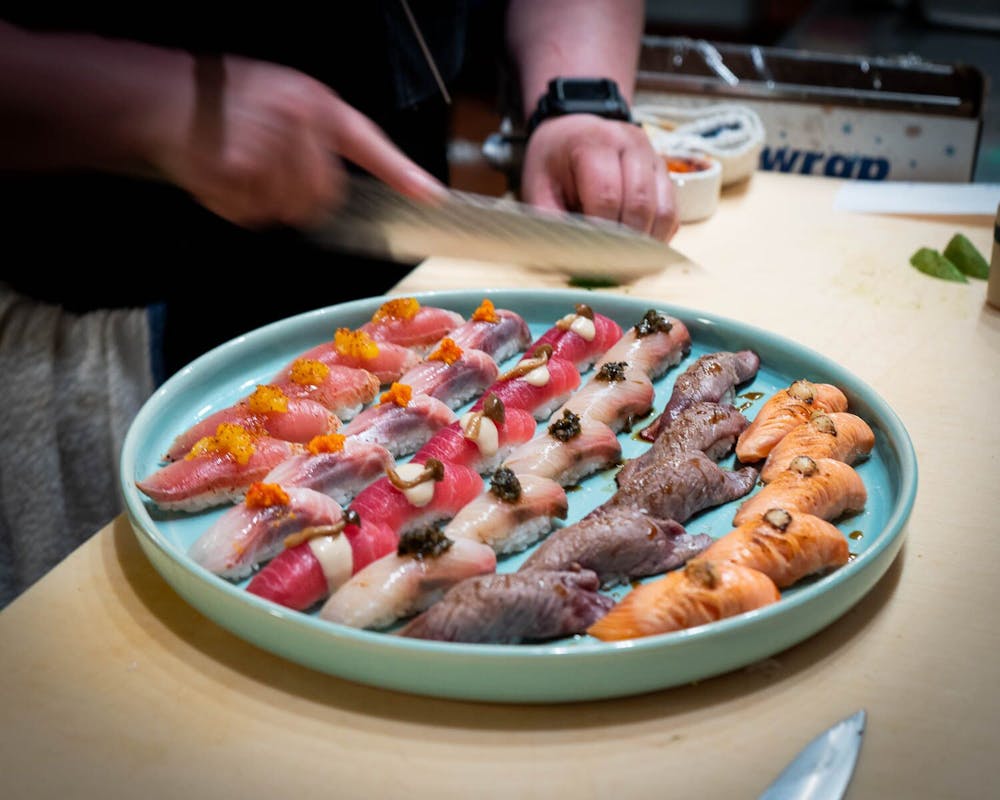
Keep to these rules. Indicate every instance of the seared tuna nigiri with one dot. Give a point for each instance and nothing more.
(268, 410)
(513, 608)
(540, 383)
(784, 546)
(254, 531)
(452, 375)
(822, 486)
(568, 450)
(581, 337)
(839, 435)
(783, 411)
(218, 469)
(401, 422)
(343, 390)
(513, 514)
(703, 591)
(401, 584)
(385, 360)
(406, 322)
(334, 465)
(497, 331)
(654, 344)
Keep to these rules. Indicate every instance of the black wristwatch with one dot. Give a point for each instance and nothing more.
(598, 96)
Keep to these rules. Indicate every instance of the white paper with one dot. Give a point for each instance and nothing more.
(902, 197)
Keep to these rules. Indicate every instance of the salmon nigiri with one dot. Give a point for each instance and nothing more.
(782, 545)
(783, 411)
(823, 486)
(703, 591)
(838, 435)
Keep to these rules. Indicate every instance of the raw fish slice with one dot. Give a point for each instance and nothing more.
(497, 331)
(783, 411)
(454, 383)
(654, 344)
(405, 322)
(713, 377)
(785, 547)
(355, 349)
(300, 421)
(343, 390)
(513, 514)
(620, 544)
(398, 586)
(340, 474)
(540, 390)
(823, 486)
(581, 337)
(480, 445)
(513, 608)
(254, 531)
(216, 473)
(400, 429)
(838, 435)
(702, 592)
(616, 395)
(567, 452)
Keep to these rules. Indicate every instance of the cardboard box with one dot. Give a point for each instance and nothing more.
(846, 117)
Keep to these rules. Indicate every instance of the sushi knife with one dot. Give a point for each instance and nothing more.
(377, 221)
(823, 768)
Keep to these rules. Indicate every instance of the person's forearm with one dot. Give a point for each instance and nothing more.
(574, 38)
(81, 101)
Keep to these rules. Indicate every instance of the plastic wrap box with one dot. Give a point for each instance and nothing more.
(842, 116)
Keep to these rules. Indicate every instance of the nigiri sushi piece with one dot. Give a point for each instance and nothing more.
(702, 592)
(839, 435)
(481, 439)
(620, 544)
(581, 337)
(654, 344)
(254, 531)
(497, 331)
(343, 390)
(218, 469)
(569, 449)
(268, 410)
(425, 565)
(512, 608)
(617, 394)
(401, 422)
(539, 383)
(513, 514)
(783, 411)
(823, 486)
(404, 321)
(451, 374)
(385, 360)
(784, 546)
(335, 465)
(712, 378)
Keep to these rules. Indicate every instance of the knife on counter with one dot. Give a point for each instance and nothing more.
(377, 221)
(823, 768)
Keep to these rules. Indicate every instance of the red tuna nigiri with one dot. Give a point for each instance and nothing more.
(581, 337)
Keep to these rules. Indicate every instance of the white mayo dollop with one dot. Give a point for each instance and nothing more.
(335, 557)
(488, 438)
(581, 326)
(539, 376)
(421, 494)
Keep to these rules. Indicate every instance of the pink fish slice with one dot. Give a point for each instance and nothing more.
(401, 429)
(385, 360)
(539, 384)
(339, 472)
(404, 321)
(581, 337)
(343, 390)
(654, 344)
(453, 379)
(497, 331)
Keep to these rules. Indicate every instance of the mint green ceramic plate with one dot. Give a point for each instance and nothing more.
(580, 668)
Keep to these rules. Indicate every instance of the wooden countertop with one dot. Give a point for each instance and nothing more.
(114, 687)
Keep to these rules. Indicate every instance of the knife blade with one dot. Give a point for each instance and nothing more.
(823, 768)
(377, 221)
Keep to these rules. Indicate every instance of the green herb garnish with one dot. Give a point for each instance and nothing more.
(931, 262)
(964, 255)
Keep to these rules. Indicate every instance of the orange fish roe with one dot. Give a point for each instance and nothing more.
(447, 351)
(401, 308)
(265, 495)
(306, 372)
(328, 443)
(399, 393)
(230, 440)
(266, 399)
(486, 312)
(356, 344)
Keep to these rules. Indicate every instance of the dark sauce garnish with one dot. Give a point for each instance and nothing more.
(652, 322)
(856, 535)
(505, 485)
(612, 372)
(566, 428)
(426, 543)
(751, 395)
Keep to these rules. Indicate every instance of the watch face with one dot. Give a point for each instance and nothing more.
(585, 89)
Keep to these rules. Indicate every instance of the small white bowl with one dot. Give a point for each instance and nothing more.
(697, 180)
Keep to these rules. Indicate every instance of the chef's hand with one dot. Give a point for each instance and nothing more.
(259, 144)
(602, 168)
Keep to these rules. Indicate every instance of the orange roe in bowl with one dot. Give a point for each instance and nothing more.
(447, 351)
(306, 372)
(265, 495)
(402, 308)
(267, 399)
(356, 344)
(229, 440)
(486, 312)
(328, 443)
(399, 393)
